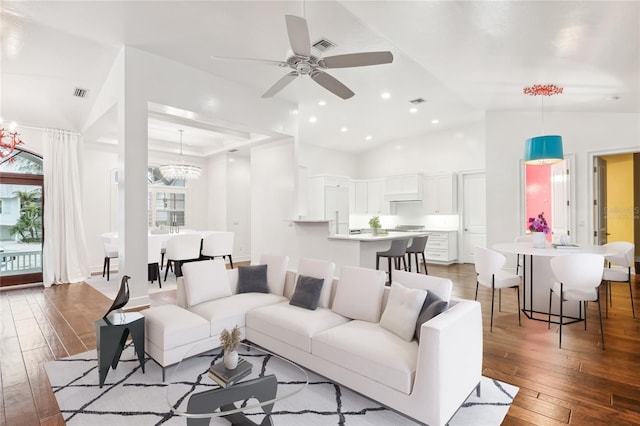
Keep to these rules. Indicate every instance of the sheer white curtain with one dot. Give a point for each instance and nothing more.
(64, 252)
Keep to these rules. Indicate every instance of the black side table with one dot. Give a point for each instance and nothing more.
(111, 336)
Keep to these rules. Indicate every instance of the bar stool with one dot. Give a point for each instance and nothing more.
(418, 246)
(396, 252)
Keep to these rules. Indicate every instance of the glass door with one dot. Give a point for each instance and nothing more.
(21, 231)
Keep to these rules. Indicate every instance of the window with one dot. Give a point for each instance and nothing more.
(166, 202)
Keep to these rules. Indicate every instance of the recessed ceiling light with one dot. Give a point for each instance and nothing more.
(12, 126)
(368, 137)
(435, 121)
(322, 103)
(313, 119)
(294, 112)
(344, 129)
(385, 95)
(413, 110)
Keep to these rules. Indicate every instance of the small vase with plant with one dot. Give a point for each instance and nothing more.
(230, 341)
(374, 224)
(539, 228)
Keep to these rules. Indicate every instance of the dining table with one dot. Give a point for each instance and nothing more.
(538, 277)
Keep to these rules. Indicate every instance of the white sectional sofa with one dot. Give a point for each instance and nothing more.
(360, 334)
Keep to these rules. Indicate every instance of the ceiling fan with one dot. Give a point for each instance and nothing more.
(303, 63)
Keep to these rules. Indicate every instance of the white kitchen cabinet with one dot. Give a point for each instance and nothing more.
(440, 194)
(442, 247)
(376, 204)
(359, 197)
(328, 199)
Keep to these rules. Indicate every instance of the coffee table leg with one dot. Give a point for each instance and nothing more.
(262, 388)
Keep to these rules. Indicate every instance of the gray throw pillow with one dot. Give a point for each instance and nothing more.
(432, 307)
(252, 279)
(307, 292)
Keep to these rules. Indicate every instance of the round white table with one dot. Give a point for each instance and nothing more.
(537, 277)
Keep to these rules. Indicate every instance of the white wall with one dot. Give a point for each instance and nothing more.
(239, 204)
(322, 161)
(446, 151)
(582, 134)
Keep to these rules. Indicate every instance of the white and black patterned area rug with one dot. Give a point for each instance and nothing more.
(130, 397)
(110, 288)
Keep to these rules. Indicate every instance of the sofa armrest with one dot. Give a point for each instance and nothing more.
(449, 362)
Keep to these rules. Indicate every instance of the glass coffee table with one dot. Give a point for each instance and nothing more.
(191, 393)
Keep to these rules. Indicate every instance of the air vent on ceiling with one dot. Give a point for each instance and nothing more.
(324, 44)
(80, 93)
(417, 101)
(233, 150)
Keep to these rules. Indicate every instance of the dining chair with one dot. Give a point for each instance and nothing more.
(578, 277)
(181, 248)
(490, 273)
(110, 248)
(418, 245)
(153, 258)
(218, 244)
(396, 253)
(520, 257)
(618, 269)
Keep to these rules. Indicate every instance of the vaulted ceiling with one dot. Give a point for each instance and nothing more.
(463, 58)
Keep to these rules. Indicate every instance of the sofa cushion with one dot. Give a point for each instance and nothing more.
(307, 292)
(370, 350)
(252, 279)
(205, 280)
(432, 306)
(231, 311)
(366, 286)
(170, 326)
(276, 271)
(319, 269)
(291, 324)
(402, 310)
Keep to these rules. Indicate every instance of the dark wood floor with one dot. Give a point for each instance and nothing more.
(579, 384)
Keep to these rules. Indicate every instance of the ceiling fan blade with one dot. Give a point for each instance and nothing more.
(280, 84)
(331, 84)
(357, 59)
(298, 35)
(265, 61)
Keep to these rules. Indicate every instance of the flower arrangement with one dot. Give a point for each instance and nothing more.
(539, 224)
(230, 340)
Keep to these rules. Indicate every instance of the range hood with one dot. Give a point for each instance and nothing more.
(403, 196)
(406, 187)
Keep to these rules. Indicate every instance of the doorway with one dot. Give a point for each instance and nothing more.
(616, 186)
(474, 214)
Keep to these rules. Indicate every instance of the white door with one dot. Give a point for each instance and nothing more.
(561, 200)
(474, 213)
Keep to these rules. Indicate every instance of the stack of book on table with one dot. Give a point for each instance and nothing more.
(566, 246)
(225, 377)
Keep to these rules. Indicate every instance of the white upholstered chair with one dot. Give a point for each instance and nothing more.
(110, 246)
(520, 257)
(180, 249)
(218, 244)
(488, 264)
(618, 269)
(578, 277)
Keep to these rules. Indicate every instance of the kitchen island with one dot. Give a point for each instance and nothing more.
(316, 242)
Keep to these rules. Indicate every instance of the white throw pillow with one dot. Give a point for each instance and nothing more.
(402, 310)
(205, 280)
(359, 293)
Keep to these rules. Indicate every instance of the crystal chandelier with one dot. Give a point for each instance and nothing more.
(180, 170)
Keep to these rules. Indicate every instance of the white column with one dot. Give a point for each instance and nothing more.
(132, 185)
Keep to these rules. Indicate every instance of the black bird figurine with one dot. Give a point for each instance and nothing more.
(122, 297)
